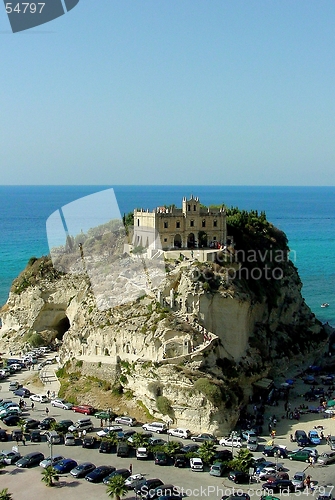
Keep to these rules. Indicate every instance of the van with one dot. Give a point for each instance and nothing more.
(84, 424)
(155, 427)
(179, 432)
(69, 440)
(53, 437)
(217, 469)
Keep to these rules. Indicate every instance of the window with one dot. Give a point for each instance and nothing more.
(138, 222)
(177, 224)
(166, 225)
(215, 223)
(203, 223)
(194, 208)
(165, 240)
(192, 223)
(188, 208)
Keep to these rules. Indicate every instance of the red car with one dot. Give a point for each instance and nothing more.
(86, 409)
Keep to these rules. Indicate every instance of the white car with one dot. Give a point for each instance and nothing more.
(231, 442)
(61, 403)
(126, 420)
(179, 432)
(196, 464)
(141, 453)
(133, 480)
(106, 430)
(39, 398)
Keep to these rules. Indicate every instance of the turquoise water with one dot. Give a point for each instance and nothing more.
(305, 214)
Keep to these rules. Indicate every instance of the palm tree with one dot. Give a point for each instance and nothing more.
(116, 487)
(5, 495)
(172, 448)
(139, 440)
(49, 475)
(207, 451)
(243, 461)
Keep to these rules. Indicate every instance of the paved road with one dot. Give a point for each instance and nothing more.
(27, 485)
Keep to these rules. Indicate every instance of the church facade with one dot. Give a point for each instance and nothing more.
(192, 226)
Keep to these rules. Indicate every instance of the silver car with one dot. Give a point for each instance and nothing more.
(51, 461)
(327, 458)
(61, 403)
(9, 457)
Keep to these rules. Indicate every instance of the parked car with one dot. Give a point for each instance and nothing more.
(39, 398)
(22, 393)
(161, 458)
(158, 427)
(134, 481)
(149, 484)
(190, 448)
(82, 469)
(327, 458)
(11, 420)
(53, 437)
(122, 449)
(180, 433)
(14, 385)
(3, 435)
(164, 490)
(248, 434)
(280, 485)
(65, 465)
(81, 425)
(313, 437)
(270, 451)
(126, 421)
(51, 461)
(252, 444)
(201, 438)
(69, 440)
(196, 464)
(232, 442)
(298, 480)
(30, 423)
(107, 430)
(217, 469)
(238, 476)
(180, 461)
(117, 472)
(156, 441)
(46, 423)
(61, 403)
(30, 460)
(35, 436)
(99, 473)
(63, 425)
(85, 409)
(301, 438)
(222, 456)
(88, 442)
(300, 455)
(332, 442)
(9, 457)
(142, 453)
(106, 446)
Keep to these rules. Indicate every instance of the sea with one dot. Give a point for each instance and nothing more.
(305, 214)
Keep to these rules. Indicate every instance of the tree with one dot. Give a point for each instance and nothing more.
(172, 448)
(5, 495)
(49, 475)
(116, 487)
(243, 461)
(207, 451)
(139, 440)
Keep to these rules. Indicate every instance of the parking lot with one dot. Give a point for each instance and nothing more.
(26, 484)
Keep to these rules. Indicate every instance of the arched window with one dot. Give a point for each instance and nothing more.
(203, 223)
(138, 222)
(215, 223)
(192, 223)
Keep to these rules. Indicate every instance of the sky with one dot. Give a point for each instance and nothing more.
(228, 92)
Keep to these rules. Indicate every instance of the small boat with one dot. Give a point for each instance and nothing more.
(325, 304)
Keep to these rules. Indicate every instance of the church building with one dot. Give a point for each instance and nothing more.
(192, 226)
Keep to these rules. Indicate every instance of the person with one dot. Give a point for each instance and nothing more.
(47, 411)
(291, 438)
(32, 405)
(48, 393)
(101, 423)
(23, 440)
(311, 463)
(322, 436)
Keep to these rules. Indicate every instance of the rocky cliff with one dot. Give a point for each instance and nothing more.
(189, 352)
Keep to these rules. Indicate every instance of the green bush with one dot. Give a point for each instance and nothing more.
(210, 390)
(163, 405)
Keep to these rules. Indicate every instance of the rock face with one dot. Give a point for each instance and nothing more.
(189, 353)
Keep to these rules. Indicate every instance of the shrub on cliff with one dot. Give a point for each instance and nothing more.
(163, 405)
(210, 390)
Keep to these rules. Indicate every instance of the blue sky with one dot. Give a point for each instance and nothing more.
(171, 92)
